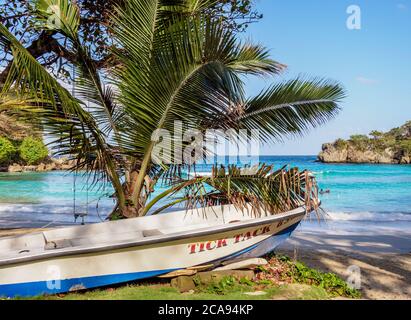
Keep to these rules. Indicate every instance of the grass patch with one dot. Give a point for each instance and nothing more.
(225, 290)
(282, 278)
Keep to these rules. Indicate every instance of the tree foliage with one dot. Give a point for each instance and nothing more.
(7, 150)
(176, 62)
(397, 139)
(50, 46)
(32, 150)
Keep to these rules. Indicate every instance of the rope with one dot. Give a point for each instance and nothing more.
(74, 192)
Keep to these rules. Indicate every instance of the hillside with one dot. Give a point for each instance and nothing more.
(14, 130)
(392, 147)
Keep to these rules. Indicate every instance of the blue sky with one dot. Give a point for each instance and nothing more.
(373, 64)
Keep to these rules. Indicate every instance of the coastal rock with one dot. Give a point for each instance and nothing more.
(392, 147)
(349, 154)
(15, 168)
(330, 154)
(387, 156)
(49, 165)
(41, 167)
(67, 166)
(29, 168)
(369, 156)
(405, 160)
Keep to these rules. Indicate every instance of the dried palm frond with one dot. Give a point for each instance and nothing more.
(265, 191)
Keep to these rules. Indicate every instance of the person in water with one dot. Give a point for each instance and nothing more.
(322, 191)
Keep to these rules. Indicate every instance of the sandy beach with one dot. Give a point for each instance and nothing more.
(384, 258)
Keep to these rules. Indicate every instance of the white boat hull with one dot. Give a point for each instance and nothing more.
(84, 267)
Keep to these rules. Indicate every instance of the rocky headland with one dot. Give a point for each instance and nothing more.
(392, 147)
(47, 165)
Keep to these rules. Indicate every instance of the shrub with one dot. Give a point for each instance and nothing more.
(360, 141)
(340, 144)
(333, 284)
(7, 150)
(359, 137)
(405, 147)
(376, 134)
(33, 150)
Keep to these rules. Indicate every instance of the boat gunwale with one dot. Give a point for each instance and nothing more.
(70, 251)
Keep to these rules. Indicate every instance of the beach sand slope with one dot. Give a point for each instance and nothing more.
(383, 260)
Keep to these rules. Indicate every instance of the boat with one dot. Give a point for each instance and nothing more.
(82, 257)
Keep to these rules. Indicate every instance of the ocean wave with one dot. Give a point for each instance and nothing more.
(369, 216)
(350, 172)
(199, 174)
(50, 209)
(65, 212)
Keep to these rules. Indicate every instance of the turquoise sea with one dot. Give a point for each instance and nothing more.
(359, 194)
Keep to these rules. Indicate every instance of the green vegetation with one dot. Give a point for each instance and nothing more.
(341, 144)
(330, 282)
(397, 139)
(360, 141)
(180, 62)
(7, 151)
(405, 145)
(165, 292)
(32, 150)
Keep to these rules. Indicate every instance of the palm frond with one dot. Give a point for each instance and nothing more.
(62, 115)
(263, 190)
(62, 15)
(291, 107)
(255, 60)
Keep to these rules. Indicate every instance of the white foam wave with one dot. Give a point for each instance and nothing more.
(46, 209)
(369, 216)
(200, 174)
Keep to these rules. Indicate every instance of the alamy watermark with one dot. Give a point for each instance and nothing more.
(354, 20)
(54, 275)
(354, 277)
(193, 146)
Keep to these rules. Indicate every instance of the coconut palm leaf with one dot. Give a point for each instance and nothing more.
(60, 15)
(254, 60)
(175, 63)
(188, 77)
(89, 85)
(292, 107)
(62, 115)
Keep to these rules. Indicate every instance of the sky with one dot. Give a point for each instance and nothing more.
(372, 63)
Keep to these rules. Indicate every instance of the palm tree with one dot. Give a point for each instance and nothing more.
(173, 62)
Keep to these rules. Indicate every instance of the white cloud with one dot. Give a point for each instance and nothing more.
(402, 6)
(367, 81)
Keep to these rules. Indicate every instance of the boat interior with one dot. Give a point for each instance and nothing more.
(119, 231)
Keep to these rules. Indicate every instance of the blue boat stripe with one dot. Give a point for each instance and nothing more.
(41, 287)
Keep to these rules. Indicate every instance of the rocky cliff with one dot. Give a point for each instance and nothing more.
(47, 165)
(392, 147)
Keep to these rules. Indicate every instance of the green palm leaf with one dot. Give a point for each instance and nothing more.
(175, 63)
(291, 108)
